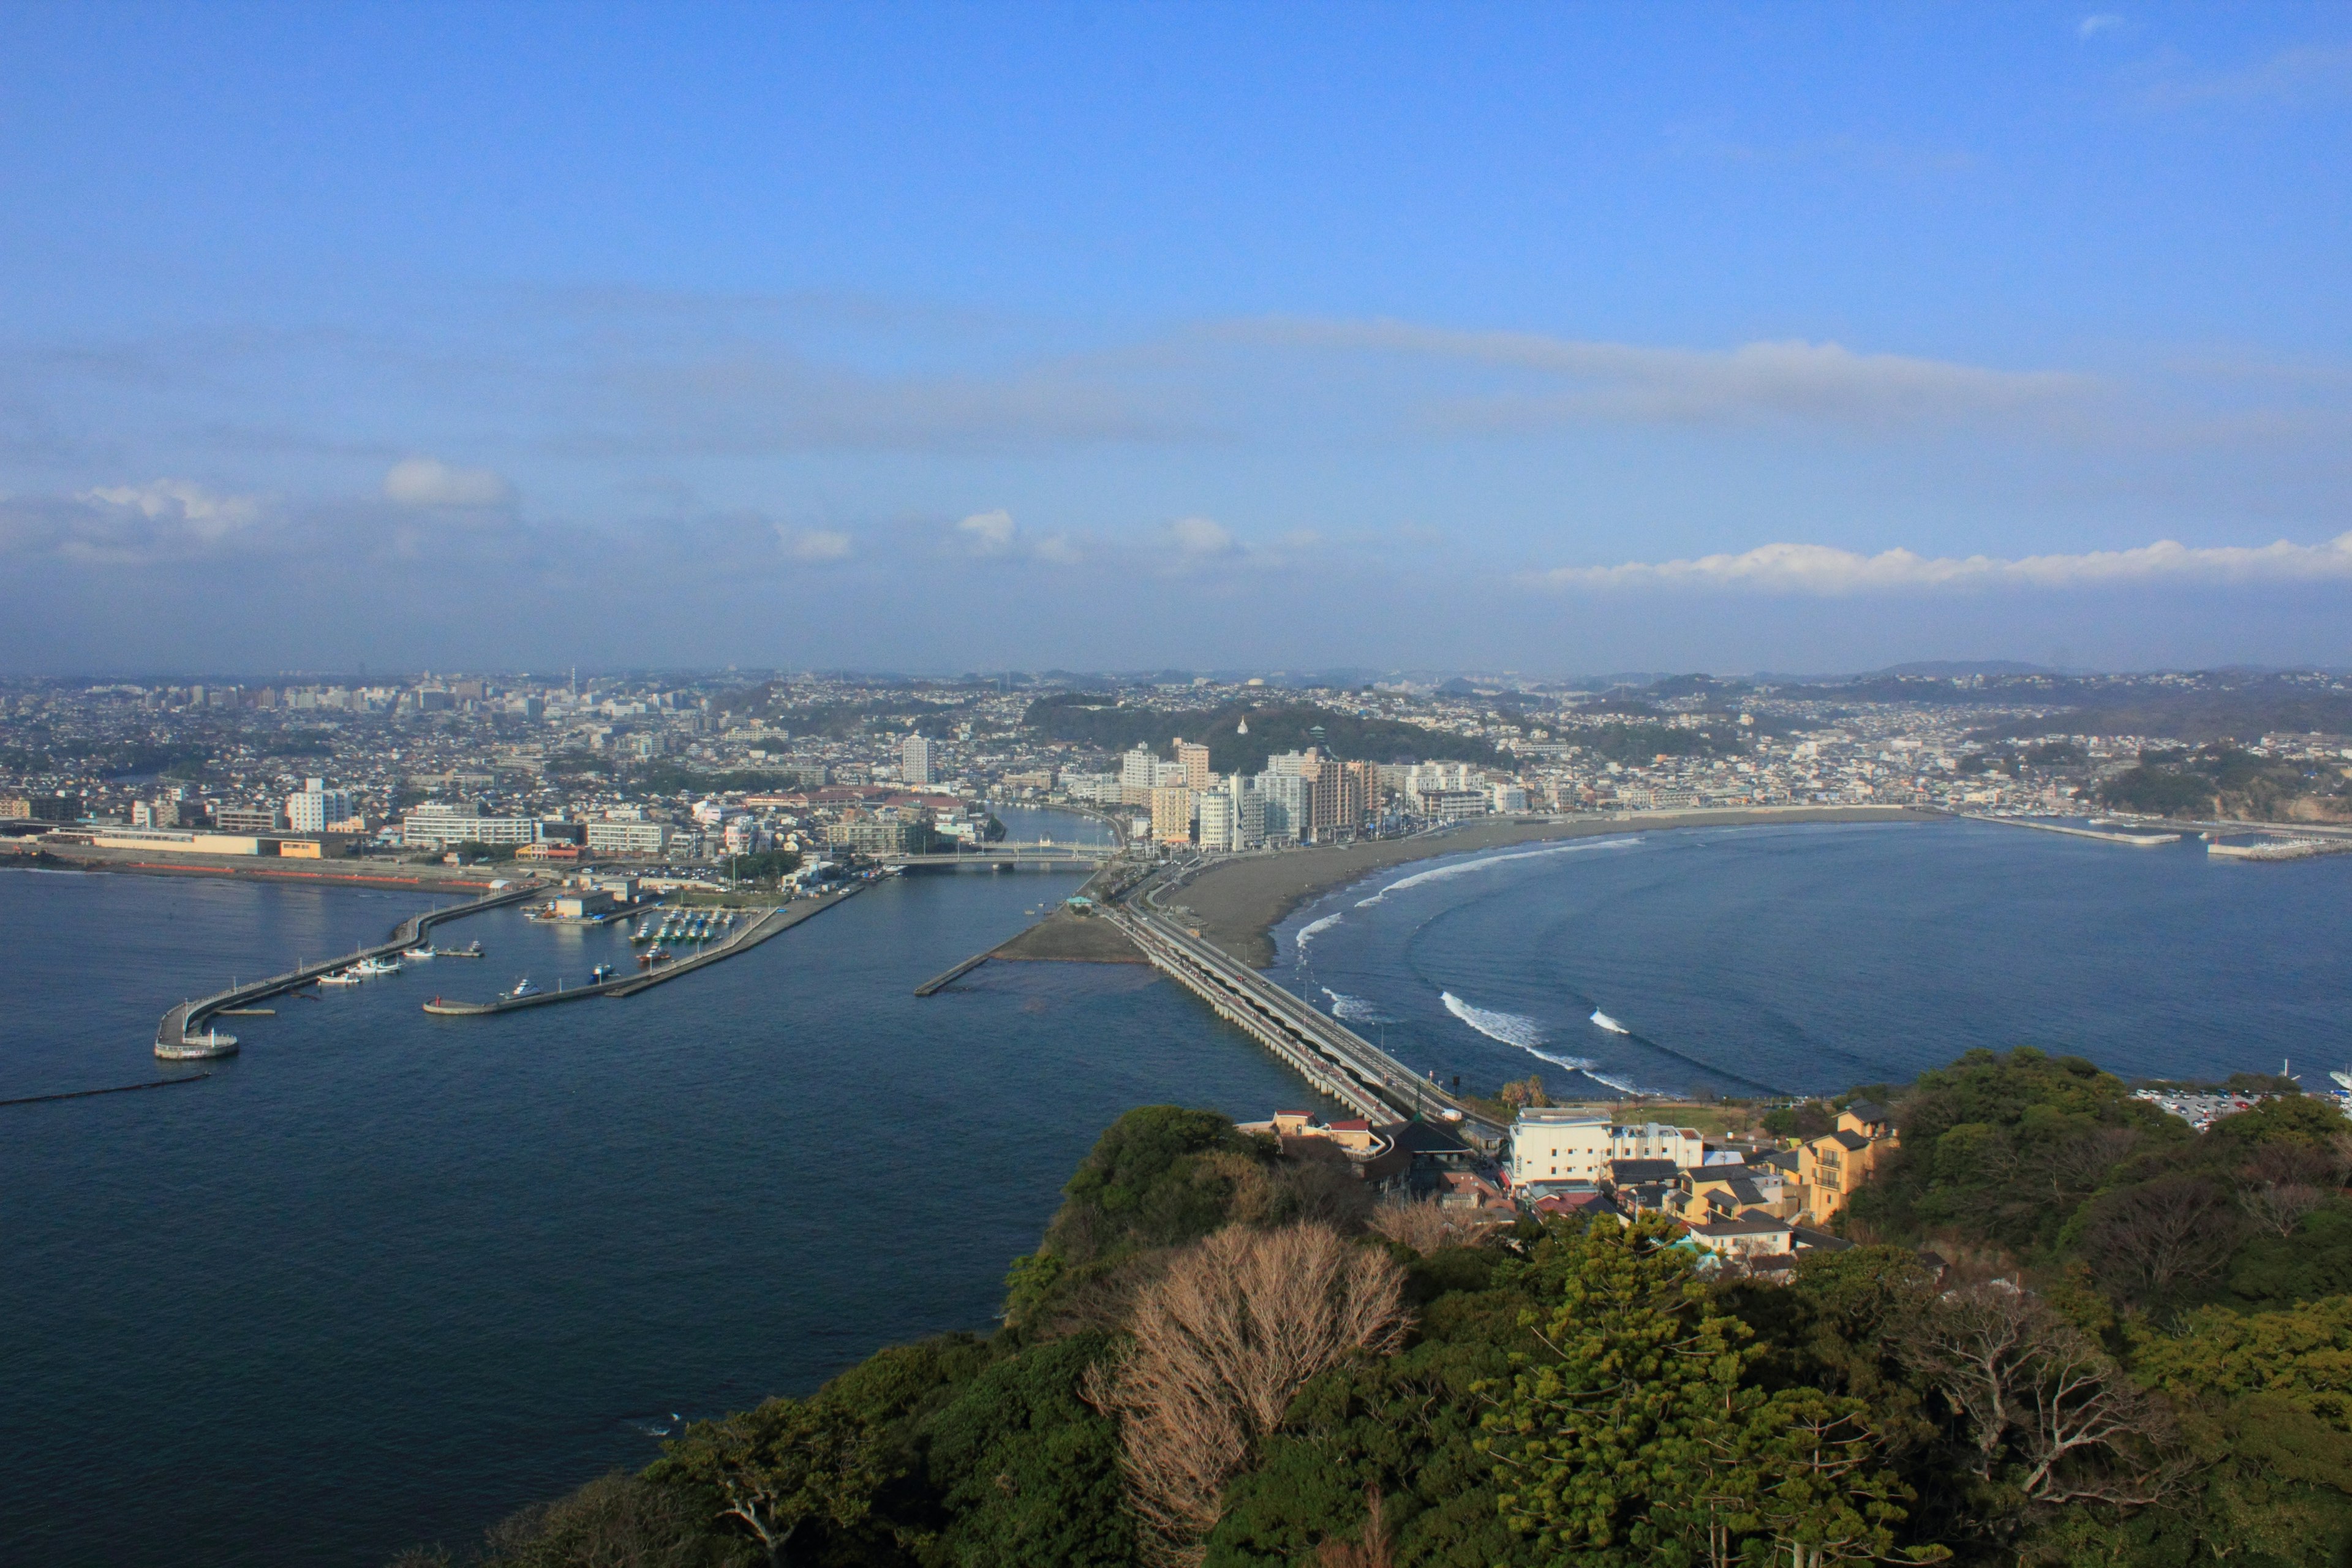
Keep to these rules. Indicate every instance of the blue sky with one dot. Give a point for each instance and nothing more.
(1542, 338)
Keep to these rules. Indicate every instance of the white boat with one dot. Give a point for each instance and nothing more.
(522, 988)
(341, 977)
(418, 954)
(370, 968)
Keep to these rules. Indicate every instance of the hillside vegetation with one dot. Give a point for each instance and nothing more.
(2127, 1342)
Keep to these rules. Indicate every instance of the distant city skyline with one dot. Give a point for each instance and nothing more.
(1723, 339)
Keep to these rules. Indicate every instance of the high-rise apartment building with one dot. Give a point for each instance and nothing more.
(314, 807)
(1172, 814)
(917, 763)
(1193, 758)
(1215, 809)
(1282, 801)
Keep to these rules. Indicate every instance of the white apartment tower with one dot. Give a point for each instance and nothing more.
(916, 763)
(314, 807)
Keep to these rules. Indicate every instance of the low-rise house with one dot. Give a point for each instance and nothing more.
(1752, 1234)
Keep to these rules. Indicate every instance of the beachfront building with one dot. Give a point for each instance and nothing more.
(1172, 814)
(1830, 1167)
(1554, 1146)
(1657, 1140)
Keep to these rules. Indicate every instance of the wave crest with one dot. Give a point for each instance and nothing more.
(1440, 873)
(1355, 1009)
(1307, 933)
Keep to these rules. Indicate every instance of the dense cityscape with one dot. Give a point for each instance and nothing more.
(683, 771)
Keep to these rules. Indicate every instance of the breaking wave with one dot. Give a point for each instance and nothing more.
(1602, 1020)
(1355, 1009)
(1618, 1084)
(1510, 1028)
(1440, 873)
(1307, 933)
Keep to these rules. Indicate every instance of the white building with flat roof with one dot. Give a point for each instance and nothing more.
(1555, 1144)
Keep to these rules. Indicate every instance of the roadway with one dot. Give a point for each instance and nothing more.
(1334, 1057)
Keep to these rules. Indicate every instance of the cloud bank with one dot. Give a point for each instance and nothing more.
(1761, 380)
(1819, 569)
(429, 481)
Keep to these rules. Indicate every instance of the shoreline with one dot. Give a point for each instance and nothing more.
(1236, 904)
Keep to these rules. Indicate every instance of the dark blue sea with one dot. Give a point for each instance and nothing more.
(383, 1278)
(1811, 958)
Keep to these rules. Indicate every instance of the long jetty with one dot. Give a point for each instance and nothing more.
(775, 920)
(176, 1037)
(2134, 840)
(1333, 1057)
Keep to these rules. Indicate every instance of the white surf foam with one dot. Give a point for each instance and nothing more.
(1511, 1028)
(1603, 1021)
(1442, 873)
(1355, 1009)
(1307, 933)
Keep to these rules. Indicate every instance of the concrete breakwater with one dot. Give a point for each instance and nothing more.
(2134, 840)
(2278, 848)
(177, 1038)
(770, 923)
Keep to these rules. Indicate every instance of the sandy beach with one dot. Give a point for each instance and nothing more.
(1238, 902)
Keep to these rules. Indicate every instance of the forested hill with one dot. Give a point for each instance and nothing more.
(2130, 1343)
(1082, 718)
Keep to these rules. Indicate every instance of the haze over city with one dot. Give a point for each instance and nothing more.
(1473, 338)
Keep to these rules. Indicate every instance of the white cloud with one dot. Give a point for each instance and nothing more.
(988, 532)
(429, 481)
(1199, 538)
(1821, 570)
(1790, 379)
(2098, 22)
(1057, 549)
(812, 543)
(132, 525)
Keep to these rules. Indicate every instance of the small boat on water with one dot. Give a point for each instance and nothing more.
(417, 955)
(341, 977)
(601, 973)
(522, 988)
(371, 968)
(471, 950)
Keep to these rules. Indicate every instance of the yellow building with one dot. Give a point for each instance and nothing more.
(1830, 1167)
(1195, 760)
(1172, 814)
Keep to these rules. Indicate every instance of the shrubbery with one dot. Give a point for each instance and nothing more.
(2130, 1345)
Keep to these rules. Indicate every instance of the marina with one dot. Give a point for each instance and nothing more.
(177, 1037)
(655, 971)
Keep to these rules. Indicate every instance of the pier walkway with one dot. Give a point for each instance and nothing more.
(775, 920)
(1333, 1057)
(177, 1038)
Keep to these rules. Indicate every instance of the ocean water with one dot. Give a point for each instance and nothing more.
(1811, 958)
(384, 1277)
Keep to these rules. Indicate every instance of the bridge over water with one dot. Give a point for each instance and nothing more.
(1042, 855)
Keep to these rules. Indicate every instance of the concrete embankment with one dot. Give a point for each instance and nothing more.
(2131, 840)
(177, 1038)
(774, 923)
